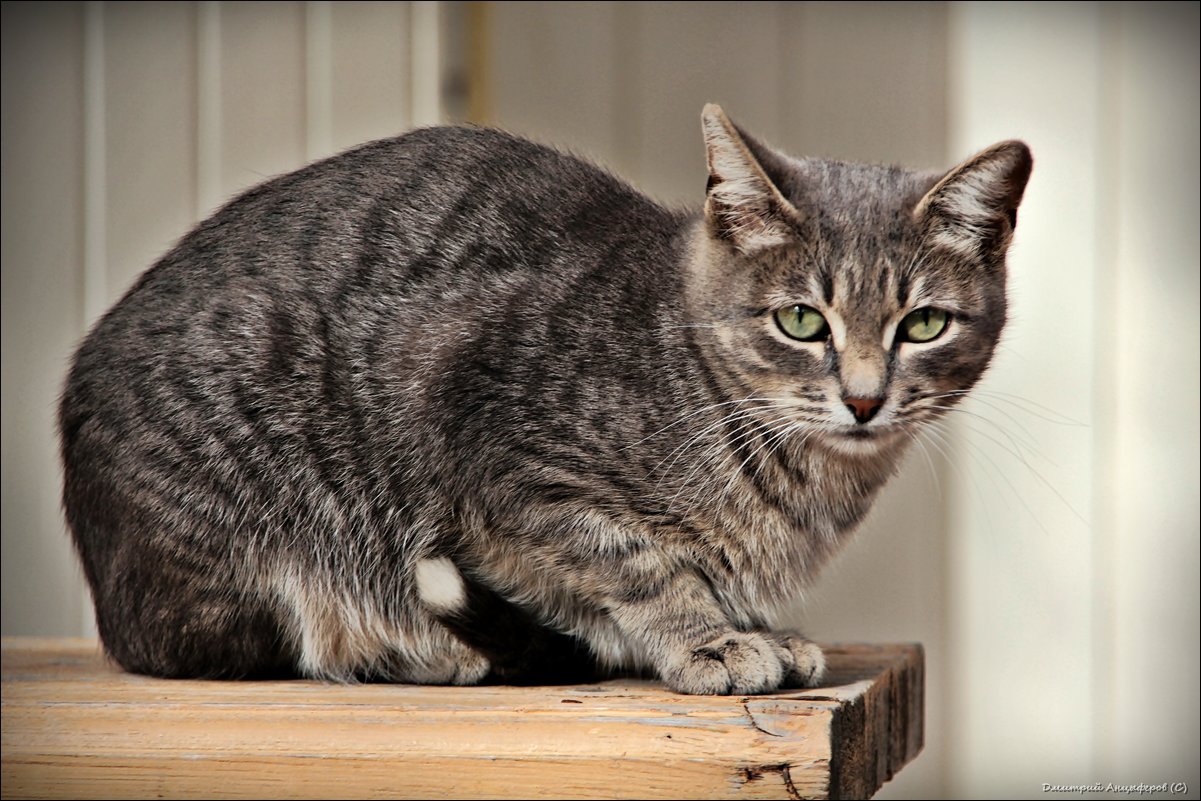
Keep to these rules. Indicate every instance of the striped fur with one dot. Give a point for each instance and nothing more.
(458, 345)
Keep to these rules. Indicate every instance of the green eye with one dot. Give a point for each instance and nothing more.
(923, 325)
(803, 323)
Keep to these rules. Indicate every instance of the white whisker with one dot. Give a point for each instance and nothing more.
(688, 416)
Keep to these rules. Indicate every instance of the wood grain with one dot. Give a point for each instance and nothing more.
(74, 726)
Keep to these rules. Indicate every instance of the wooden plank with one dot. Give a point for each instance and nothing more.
(75, 726)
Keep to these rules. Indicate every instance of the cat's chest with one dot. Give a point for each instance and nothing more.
(761, 570)
(763, 549)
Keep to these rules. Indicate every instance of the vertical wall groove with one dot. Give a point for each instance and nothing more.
(627, 97)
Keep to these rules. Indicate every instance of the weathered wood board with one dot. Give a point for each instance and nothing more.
(75, 726)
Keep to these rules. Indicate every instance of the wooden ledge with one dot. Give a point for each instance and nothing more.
(74, 726)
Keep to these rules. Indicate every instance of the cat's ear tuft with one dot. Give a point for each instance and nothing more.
(973, 209)
(742, 205)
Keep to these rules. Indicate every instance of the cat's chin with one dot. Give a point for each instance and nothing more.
(863, 443)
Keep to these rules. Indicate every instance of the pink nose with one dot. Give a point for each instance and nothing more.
(864, 409)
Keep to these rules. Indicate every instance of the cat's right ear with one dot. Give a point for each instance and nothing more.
(742, 205)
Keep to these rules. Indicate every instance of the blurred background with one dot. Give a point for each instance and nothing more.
(1043, 545)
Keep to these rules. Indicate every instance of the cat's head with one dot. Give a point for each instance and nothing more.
(855, 301)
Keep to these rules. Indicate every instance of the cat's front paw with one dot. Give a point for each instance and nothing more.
(734, 663)
(806, 663)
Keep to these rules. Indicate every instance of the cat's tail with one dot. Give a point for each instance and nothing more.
(522, 650)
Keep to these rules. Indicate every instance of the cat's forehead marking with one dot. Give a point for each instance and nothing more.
(917, 294)
(821, 285)
(865, 285)
(904, 284)
(860, 196)
(914, 296)
(861, 249)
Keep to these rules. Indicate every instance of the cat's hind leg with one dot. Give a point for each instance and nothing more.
(158, 617)
(344, 638)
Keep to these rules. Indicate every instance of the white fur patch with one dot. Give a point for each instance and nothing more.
(439, 585)
(337, 635)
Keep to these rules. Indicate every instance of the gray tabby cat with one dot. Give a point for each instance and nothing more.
(460, 361)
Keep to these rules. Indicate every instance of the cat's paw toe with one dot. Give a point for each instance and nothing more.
(734, 663)
(806, 664)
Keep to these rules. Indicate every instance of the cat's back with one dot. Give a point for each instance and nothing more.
(402, 200)
(277, 296)
(384, 230)
(324, 293)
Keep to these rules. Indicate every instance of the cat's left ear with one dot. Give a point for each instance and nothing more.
(973, 209)
(742, 204)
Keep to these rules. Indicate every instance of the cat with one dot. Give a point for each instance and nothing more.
(454, 406)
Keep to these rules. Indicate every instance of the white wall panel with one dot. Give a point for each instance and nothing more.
(263, 117)
(149, 136)
(1077, 573)
(371, 56)
(865, 81)
(1149, 480)
(1022, 554)
(426, 21)
(673, 60)
(570, 97)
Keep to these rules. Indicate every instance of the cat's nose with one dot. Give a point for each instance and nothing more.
(864, 409)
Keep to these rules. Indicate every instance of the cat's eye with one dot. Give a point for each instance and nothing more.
(803, 323)
(923, 325)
